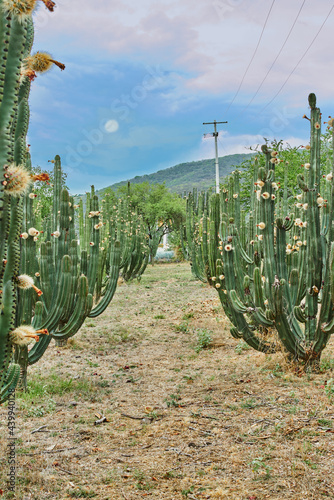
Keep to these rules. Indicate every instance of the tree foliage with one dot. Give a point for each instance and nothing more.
(291, 164)
(162, 211)
(44, 191)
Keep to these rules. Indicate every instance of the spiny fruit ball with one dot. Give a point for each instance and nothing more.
(17, 179)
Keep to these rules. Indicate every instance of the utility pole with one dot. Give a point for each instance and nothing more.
(215, 135)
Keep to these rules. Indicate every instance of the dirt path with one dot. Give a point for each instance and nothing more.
(183, 421)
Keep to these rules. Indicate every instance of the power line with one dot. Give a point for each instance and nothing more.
(252, 58)
(279, 53)
(300, 60)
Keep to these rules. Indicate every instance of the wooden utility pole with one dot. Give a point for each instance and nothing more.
(215, 135)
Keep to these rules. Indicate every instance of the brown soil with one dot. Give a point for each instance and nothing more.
(221, 422)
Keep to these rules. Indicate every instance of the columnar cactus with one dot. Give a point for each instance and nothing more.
(16, 33)
(278, 274)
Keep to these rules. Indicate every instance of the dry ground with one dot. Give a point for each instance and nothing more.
(221, 422)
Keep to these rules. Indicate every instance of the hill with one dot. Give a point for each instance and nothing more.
(186, 176)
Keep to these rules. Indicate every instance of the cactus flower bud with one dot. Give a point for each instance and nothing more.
(49, 4)
(24, 334)
(56, 234)
(41, 62)
(32, 231)
(265, 196)
(24, 236)
(261, 225)
(228, 248)
(307, 166)
(25, 282)
(44, 177)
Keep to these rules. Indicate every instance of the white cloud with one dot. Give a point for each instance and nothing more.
(229, 144)
(212, 41)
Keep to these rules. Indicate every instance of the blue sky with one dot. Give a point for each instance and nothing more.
(142, 77)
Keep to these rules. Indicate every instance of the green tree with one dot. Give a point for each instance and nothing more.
(291, 161)
(44, 191)
(291, 164)
(162, 211)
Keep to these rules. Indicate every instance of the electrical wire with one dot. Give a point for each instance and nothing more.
(300, 60)
(222, 145)
(252, 58)
(273, 63)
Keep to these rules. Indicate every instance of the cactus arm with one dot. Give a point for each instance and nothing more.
(238, 319)
(237, 305)
(59, 304)
(46, 281)
(84, 301)
(112, 283)
(16, 44)
(10, 383)
(99, 278)
(6, 325)
(94, 249)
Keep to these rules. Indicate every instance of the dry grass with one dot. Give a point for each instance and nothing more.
(222, 422)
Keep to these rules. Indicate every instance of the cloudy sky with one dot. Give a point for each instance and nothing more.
(141, 78)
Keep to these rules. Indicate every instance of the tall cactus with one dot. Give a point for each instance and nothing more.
(282, 278)
(16, 34)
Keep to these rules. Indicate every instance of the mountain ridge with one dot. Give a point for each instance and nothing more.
(185, 176)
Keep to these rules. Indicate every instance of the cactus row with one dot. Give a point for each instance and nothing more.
(274, 270)
(56, 272)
